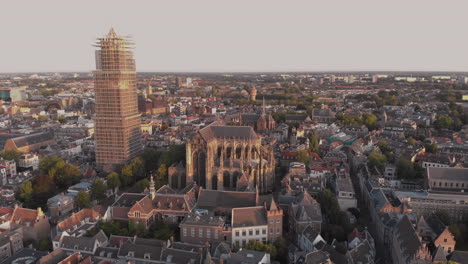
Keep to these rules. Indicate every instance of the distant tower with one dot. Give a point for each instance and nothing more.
(117, 121)
(149, 89)
(262, 122)
(152, 188)
(253, 94)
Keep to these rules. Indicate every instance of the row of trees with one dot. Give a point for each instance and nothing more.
(337, 224)
(55, 175)
(158, 230)
(367, 119)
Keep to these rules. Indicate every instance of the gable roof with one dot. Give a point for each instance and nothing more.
(76, 218)
(249, 216)
(214, 131)
(212, 199)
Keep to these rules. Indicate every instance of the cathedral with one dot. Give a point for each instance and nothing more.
(223, 157)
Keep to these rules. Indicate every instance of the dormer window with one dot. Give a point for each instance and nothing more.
(137, 214)
(131, 254)
(147, 256)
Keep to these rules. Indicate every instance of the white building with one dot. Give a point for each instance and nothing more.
(249, 223)
(29, 160)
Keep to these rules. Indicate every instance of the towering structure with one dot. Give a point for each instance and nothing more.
(117, 122)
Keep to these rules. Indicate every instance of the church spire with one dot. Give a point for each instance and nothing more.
(152, 187)
(263, 106)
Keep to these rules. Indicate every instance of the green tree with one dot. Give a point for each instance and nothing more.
(411, 140)
(313, 141)
(26, 191)
(377, 160)
(161, 176)
(66, 175)
(43, 244)
(83, 200)
(62, 120)
(126, 177)
(113, 181)
(406, 170)
(138, 168)
(98, 190)
(431, 148)
(263, 247)
(10, 154)
(303, 156)
(48, 163)
(370, 121)
(42, 118)
(443, 122)
(141, 185)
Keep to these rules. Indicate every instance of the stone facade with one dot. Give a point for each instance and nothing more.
(228, 158)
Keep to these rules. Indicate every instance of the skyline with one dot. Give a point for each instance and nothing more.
(208, 36)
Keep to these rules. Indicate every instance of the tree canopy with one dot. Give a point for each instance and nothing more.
(83, 200)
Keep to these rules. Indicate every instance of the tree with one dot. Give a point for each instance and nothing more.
(150, 158)
(62, 120)
(370, 121)
(126, 177)
(303, 157)
(431, 148)
(161, 176)
(42, 118)
(98, 190)
(377, 160)
(26, 191)
(138, 168)
(411, 140)
(443, 122)
(405, 170)
(313, 141)
(67, 175)
(141, 185)
(48, 163)
(44, 244)
(83, 200)
(10, 154)
(263, 247)
(113, 181)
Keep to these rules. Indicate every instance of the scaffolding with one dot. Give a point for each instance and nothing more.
(117, 121)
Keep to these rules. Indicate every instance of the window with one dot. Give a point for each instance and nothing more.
(192, 232)
(278, 221)
(208, 233)
(445, 240)
(264, 231)
(278, 230)
(449, 250)
(250, 232)
(271, 230)
(200, 232)
(185, 231)
(216, 234)
(237, 233)
(244, 233)
(257, 232)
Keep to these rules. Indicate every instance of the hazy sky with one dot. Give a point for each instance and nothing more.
(238, 35)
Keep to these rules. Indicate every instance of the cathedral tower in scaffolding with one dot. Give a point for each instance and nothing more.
(117, 122)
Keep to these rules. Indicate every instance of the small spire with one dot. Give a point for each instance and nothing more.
(263, 106)
(112, 33)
